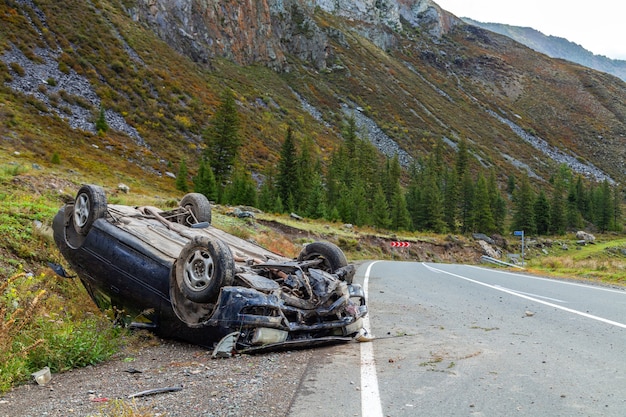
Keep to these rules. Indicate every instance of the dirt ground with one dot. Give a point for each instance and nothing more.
(197, 384)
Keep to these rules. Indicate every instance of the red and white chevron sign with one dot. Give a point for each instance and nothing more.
(400, 244)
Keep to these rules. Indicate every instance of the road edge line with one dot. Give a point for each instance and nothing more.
(370, 395)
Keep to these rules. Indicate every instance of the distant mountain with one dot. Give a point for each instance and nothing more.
(555, 47)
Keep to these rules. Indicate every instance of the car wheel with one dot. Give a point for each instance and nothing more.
(199, 205)
(203, 267)
(90, 205)
(333, 257)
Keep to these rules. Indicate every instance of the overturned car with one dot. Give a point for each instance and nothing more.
(174, 273)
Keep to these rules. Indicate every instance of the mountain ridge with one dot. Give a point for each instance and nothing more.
(432, 77)
(555, 47)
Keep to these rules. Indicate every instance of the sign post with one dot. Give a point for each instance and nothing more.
(520, 233)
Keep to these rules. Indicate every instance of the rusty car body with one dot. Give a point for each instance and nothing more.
(178, 275)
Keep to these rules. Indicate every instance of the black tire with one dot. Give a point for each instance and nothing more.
(203, 267)
(90, 205)
(333, 257)
(199, 205)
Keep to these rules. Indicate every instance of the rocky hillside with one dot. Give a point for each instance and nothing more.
(410, 73)
(556, 47)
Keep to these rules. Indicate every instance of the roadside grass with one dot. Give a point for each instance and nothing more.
(47, 321)
(603, 261)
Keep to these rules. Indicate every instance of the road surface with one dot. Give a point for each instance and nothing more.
(454, 340)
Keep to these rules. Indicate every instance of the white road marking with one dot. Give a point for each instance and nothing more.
(556, 300)
(370, 396)
(575, 284)
(569, 310)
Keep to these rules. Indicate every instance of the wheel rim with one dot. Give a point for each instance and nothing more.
(81, 210)
(199, 269)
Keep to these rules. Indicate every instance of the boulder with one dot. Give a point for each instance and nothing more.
(587, 237)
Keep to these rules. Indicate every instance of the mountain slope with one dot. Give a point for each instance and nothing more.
(408, 71)
(556, 47)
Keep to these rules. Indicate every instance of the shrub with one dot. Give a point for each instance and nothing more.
(17, 68)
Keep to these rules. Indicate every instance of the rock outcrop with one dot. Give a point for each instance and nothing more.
(265, 31)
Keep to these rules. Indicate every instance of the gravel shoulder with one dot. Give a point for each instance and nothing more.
(243, 385)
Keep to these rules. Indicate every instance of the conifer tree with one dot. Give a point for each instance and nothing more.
(380, 209)
(101, 123)
(400, 217)
(305, 174)
(541, 209)
(466, 201)
(482, 213)
(523, 211)
(558, 220)
(268, 195)
(462, 159)
(204, 181)
(617, 209)
(497, 202)
(573, 214)
(242, 189)
(433, 205)
(604, 207)
(450, 200)
(414, 198)
(316, 201)
(181, 177)
(287, 180)
(223, 140)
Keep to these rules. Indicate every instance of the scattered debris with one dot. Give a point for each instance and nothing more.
(43, 376)
(155, 391)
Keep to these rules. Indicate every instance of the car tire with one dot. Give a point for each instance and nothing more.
(90, 204)
(333, 257)
(203, 267)
(199, 205)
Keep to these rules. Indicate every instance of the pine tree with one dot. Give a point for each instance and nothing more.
(450, 200)
(558, 219)
(380, 209)
(541, 210)
(181, 177)
(617, 209)
(482, 213)
(222, 139)
(497, 202)
(204, 181)
(268, 195)
(523, 212)
(287, 180)
(101, 122)
(462, 159)
(242, 189)
(604, 207)
(466, 201)
(400, 217)
(316, 202)
(433, 205)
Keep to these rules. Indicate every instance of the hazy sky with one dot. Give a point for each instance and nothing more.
(599, 25)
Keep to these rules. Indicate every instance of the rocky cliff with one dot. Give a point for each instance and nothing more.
(264, 31)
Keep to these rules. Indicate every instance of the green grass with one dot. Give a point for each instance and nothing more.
(604, 261)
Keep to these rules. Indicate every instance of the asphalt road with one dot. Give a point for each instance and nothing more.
(455, 340)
